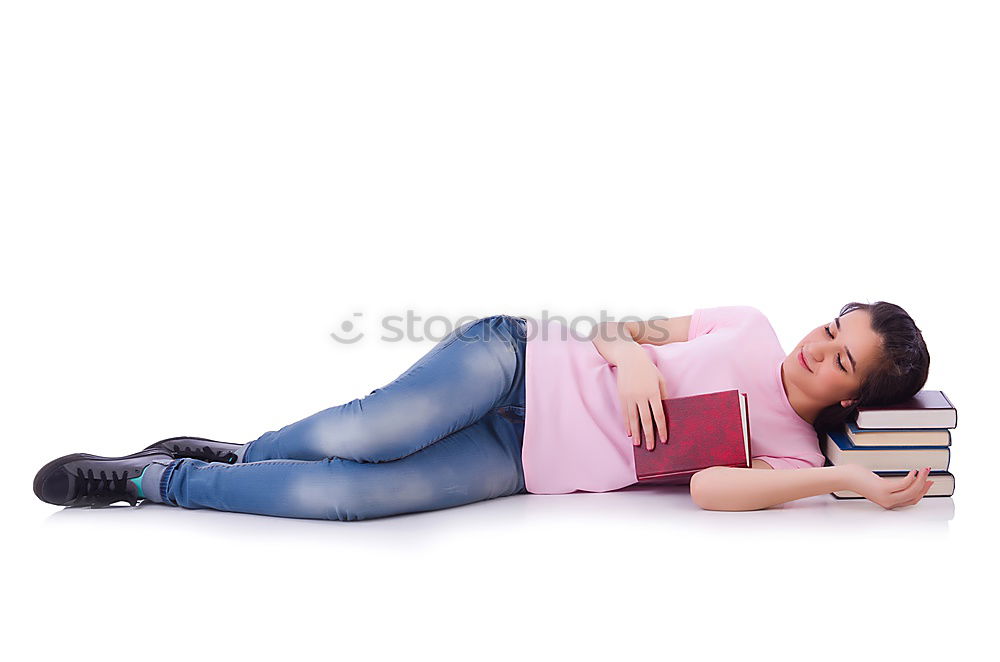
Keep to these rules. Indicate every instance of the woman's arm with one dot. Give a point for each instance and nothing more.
(730, 488)
(641, 387)
(615, 340)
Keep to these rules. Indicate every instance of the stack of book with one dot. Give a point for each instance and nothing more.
(893, 440)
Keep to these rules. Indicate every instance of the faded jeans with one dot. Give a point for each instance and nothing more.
(446, 432)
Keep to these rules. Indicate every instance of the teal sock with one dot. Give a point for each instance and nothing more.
(148, 483)
(138, 484)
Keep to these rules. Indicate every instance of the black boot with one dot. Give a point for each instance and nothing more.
(198, 448)
(91, 480)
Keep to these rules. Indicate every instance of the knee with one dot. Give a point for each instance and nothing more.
(349, 491)
(338, 433)
(377, 435)
(323, 493)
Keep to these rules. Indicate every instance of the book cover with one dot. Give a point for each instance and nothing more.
(838, 449)
(705, 430)
(927, 409)
(898, 436)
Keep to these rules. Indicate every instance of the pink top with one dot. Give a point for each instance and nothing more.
(574, 434)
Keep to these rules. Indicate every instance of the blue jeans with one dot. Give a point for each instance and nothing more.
(447, 432)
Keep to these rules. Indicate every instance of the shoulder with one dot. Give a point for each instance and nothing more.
(749, 312)
(738, 319)
(731, 315)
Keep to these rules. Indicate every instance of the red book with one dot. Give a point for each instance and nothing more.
(706, 430)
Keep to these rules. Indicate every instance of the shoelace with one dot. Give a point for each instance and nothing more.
(206, 452)
(100, 491)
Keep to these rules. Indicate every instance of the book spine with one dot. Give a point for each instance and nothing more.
(749, 435)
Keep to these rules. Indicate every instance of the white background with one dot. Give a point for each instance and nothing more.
(195, 194)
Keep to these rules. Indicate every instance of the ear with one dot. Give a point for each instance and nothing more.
(847, 403)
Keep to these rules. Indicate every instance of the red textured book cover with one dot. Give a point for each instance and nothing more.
(706, 430)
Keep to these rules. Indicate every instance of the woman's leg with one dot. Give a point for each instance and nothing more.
(479, 462)
(476, 369)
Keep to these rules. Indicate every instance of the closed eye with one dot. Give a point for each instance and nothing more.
(839, 362)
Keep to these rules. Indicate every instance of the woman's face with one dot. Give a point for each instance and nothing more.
(838, 356)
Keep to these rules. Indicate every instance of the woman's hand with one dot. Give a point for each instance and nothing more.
(641, 390)
(890, 492)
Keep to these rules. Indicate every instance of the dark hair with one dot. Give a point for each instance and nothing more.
(902, 367)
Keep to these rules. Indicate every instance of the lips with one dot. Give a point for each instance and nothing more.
(802, 360)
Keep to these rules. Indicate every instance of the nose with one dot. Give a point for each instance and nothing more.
(812, 355)
(819, 351)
